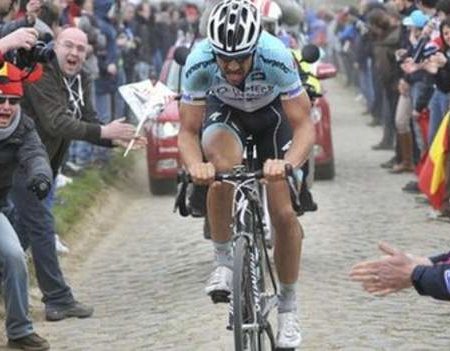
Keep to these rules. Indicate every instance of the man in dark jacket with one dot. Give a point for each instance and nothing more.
(20, 146)
(61, 106)
(399, 270)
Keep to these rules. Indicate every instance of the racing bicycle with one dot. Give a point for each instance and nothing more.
(255, 288)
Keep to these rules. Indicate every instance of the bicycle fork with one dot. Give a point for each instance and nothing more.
(255, 279)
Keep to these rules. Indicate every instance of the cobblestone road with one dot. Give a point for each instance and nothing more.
(146, 273)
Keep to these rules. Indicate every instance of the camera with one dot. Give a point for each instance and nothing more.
(40, 53)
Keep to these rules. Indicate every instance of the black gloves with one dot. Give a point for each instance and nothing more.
(40, 185)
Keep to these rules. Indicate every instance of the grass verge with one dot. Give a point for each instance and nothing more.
(73, 200)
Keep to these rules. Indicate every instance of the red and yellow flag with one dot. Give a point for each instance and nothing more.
(432, 175)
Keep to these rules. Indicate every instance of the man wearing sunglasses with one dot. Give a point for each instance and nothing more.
(20, 146)
(242, 81)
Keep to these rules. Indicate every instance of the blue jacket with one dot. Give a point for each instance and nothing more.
(106, 83)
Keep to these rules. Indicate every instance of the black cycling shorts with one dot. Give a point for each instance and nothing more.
(269, 127)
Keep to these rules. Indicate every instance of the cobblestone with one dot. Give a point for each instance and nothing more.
(146, 275)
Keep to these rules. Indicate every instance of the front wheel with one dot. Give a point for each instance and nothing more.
(249, 334)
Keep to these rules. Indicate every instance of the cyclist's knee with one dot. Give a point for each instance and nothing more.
(221, 161)
(284, 217)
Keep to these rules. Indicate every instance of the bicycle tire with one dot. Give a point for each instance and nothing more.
(242, 301)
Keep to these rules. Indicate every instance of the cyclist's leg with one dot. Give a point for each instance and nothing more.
(273, 142)
(222, 146)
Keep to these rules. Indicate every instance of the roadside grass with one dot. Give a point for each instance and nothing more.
(73, 200)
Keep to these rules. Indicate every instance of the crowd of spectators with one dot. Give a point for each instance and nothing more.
(61, 64)
(129, 41)
(396, 54)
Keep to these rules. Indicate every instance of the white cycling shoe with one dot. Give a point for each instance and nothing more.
(288, 335)
(220, 284)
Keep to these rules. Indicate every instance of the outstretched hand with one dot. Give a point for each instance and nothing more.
(118, 129)
(388, 274)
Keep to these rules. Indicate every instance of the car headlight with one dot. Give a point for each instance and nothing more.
(165, 130)
(316, 114)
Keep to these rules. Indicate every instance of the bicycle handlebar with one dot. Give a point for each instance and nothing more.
(185, 178)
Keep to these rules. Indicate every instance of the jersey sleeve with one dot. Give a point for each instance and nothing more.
(290, 84)
(197, 76)
(283, 71)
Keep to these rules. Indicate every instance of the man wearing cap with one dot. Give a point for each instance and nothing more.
(61, 105)
(20, 146)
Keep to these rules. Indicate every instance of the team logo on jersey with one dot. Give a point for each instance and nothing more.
(252, 91)
(280, 65)
(258, 76)
(199, 65)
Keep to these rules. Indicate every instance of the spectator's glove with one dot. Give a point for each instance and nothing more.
(40, 185)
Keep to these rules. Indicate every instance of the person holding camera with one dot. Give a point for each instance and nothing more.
(20, 147)
(61, 105)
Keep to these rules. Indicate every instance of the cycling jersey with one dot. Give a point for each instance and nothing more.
(273, 74)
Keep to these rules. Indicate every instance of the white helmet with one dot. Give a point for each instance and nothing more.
(234, 27)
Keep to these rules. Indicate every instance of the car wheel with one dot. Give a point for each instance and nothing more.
(162, 186)
(325, 171)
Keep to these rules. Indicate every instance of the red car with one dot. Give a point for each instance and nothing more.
(162, 151)
(323, 148)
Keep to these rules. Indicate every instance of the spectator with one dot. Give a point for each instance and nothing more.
(399, 270)
(387, 33)
(145, 31)
(60, 103)
(81, 152)
(127, 41)
(107, 82)
(20, 146)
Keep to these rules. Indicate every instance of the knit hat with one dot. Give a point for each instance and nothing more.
(12, 78)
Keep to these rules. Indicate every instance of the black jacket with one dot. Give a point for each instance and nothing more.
(47, 102)
(22, 149)
(434, 280)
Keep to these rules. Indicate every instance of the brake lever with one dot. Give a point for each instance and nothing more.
(294, 178)
(183, 180)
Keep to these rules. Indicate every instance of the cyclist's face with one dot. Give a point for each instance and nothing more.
(235, 70)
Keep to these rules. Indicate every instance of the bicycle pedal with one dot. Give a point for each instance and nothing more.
(220, 296)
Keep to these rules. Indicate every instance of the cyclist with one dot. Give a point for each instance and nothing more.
(242, 81)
